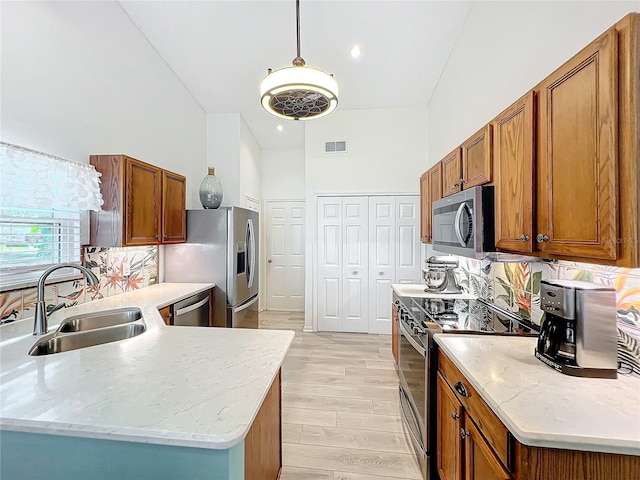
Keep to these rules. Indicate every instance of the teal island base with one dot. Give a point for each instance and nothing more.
(31, 456)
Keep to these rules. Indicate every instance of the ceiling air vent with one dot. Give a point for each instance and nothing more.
(335, 147)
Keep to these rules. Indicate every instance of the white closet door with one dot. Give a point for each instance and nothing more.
(285, 255)
(330, 282)
(382, 261)
(355, 299)
(408, 263)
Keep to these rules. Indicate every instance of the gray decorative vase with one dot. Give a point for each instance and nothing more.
(211, 190)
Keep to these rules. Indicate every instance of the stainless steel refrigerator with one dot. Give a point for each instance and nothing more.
(222, 247)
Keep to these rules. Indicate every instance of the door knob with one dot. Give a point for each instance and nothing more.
(542, 238)
(269, 261)
(380, 274)
(355, 272)
(524, 238)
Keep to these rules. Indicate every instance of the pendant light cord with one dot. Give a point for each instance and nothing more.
(298, 61)
(298, 25)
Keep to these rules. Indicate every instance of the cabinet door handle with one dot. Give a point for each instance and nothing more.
(456, 184)
(524, 238)
(454, 415)
(355, 272)
(462, 181)
(461, 389)
(380, 274)
(464, 433)
(157, 237)
(541, 237)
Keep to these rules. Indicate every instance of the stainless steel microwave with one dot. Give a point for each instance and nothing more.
(463, 223)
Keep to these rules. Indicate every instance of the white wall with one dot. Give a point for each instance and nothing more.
(386, 153)
(78, 78)
(283, 174)
(234, 152)
(250, 165)
(505, 49)
(223, 153)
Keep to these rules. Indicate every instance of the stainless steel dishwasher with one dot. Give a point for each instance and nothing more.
(193, 311)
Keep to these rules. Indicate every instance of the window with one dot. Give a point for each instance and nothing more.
(40, 209)
(34, 239)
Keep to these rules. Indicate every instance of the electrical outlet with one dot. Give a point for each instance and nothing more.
(126, 269)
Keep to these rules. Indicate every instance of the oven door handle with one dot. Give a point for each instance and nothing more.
(413, 417)
(413, 343)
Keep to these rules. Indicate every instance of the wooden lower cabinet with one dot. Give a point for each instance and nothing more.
(263, 443)
(480, 462)
(473, 444)
(165, 313)
(449, 445)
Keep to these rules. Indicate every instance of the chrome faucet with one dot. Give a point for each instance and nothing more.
(40, 326)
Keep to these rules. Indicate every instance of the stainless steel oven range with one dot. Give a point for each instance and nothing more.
(420, 319)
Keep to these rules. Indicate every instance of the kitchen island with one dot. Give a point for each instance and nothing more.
(173, 402)
(534, 422)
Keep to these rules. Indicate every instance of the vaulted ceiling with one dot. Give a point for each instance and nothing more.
(221, 50)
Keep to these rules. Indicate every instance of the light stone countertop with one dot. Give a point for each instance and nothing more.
(542, 407)
(418, 291)
(183, 386)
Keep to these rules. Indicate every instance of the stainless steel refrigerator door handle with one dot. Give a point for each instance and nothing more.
(191, 308)
(413, 343)
(245, 306)
(251, 252)
(456, 224)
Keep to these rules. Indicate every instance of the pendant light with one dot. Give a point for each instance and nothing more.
(299, 92)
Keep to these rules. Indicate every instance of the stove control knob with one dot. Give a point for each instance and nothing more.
(417, 330)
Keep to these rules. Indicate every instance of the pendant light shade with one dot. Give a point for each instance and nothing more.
(299, 92)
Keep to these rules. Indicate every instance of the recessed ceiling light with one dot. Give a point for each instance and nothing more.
(279, 128)
(355, 51)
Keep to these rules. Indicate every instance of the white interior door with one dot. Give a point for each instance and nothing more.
(330, 282)
(285, 255)
(408, 263)
(382, 260)
(355, 299)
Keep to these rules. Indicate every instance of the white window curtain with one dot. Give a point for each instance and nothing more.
(38, 180)
(41, 197)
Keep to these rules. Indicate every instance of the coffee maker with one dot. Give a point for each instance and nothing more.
(579, 335)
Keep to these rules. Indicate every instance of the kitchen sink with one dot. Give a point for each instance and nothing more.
(106, 318)
(88, 338)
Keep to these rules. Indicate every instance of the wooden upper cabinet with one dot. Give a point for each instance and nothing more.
(476, 159)
(142, 204)
(451, 173)
(143, 184)
(577, 156)
(513, 157)
(430, 191)
(449, 422)
(174, 220)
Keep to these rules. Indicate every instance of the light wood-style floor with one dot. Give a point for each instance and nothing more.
(340, 417)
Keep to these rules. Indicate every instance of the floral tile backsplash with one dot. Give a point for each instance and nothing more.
(119, 270)
(516, 287)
